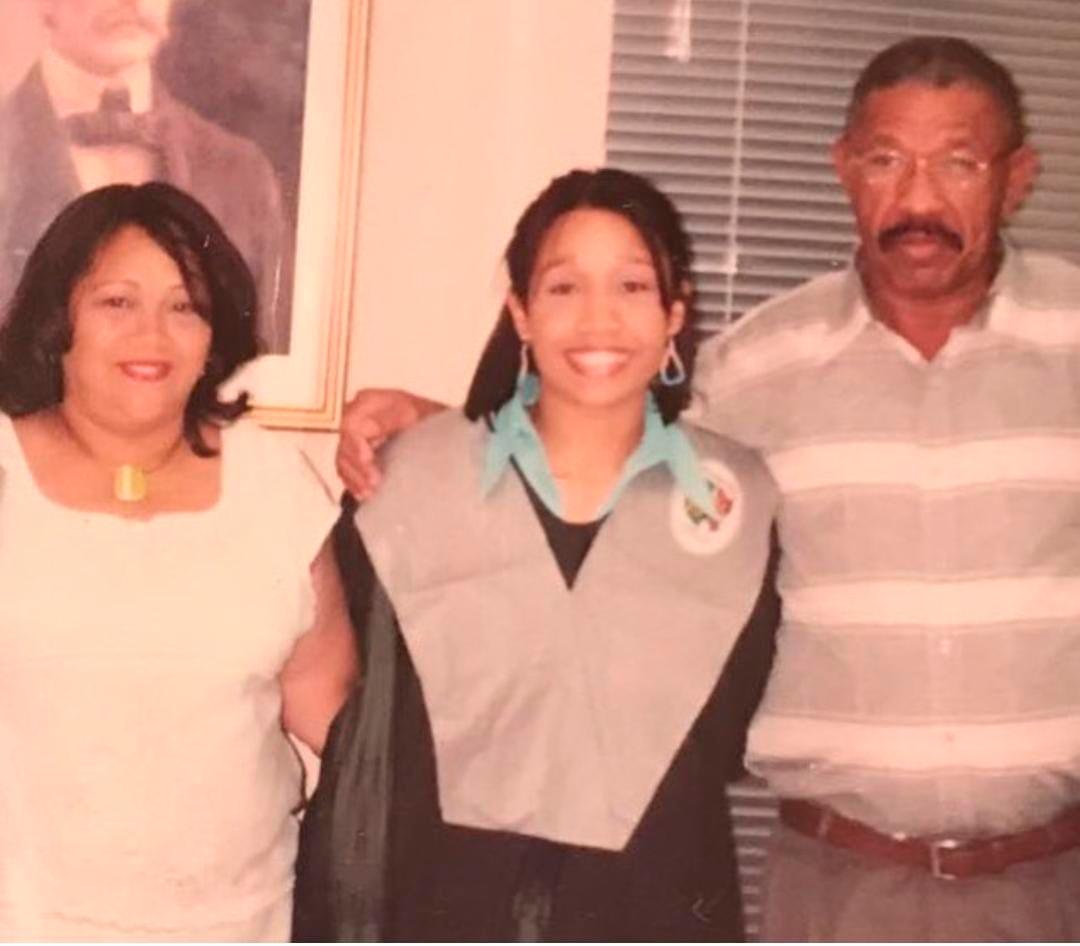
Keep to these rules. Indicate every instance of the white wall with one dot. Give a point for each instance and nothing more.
(472, 106)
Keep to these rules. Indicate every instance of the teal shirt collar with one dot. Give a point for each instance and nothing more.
(513, 437)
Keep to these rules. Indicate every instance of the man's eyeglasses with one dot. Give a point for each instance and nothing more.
(958, 167)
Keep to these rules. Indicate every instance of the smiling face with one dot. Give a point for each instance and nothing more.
(931, 179)
(594, 318)
(105, 37)
(138, 344)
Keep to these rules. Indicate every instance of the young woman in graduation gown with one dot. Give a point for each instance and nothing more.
(565, 604)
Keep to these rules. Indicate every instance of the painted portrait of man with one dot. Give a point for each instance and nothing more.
(125, 91)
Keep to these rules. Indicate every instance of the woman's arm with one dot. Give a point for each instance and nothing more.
(323, 665)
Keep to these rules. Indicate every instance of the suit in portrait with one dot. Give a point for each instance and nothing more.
(227, 173)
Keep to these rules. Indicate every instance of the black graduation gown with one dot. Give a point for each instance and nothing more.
(377, 862)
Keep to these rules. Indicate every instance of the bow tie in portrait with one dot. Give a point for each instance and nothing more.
(114, 123)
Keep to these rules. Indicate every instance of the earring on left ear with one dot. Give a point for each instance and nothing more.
(528, 384)
(673, 371)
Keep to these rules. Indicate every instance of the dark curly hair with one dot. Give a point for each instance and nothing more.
(654, 217)
(38, 330)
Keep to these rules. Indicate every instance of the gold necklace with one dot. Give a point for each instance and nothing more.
(131, 481)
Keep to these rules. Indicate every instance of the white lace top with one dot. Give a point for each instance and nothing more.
(147, 784)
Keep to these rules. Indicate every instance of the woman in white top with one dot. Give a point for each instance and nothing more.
(168, 611)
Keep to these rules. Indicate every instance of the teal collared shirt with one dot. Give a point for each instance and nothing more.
(513, 437)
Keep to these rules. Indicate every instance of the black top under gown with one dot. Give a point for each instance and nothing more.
(376, 862)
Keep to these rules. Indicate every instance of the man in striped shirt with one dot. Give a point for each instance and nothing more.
(921, 414)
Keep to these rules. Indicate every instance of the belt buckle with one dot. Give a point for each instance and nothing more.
(936, 847)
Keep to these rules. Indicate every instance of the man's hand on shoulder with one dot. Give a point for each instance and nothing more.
(372, 417)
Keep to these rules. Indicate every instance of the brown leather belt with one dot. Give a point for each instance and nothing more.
(944, 858)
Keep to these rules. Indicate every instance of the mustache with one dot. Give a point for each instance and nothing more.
(920, 226)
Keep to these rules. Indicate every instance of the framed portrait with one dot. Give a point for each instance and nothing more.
(256, 109)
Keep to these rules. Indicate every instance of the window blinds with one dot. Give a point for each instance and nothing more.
(731, 106)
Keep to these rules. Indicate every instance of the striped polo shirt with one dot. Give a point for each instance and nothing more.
(927, 679)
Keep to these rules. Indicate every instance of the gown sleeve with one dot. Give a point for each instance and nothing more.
(726, 717)
(344, 837)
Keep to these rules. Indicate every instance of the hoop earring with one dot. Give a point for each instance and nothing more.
(528, 384)
(673, 371)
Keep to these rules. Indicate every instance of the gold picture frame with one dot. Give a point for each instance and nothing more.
(305, 389)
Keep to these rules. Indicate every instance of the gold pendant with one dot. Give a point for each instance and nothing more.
(129, 484)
